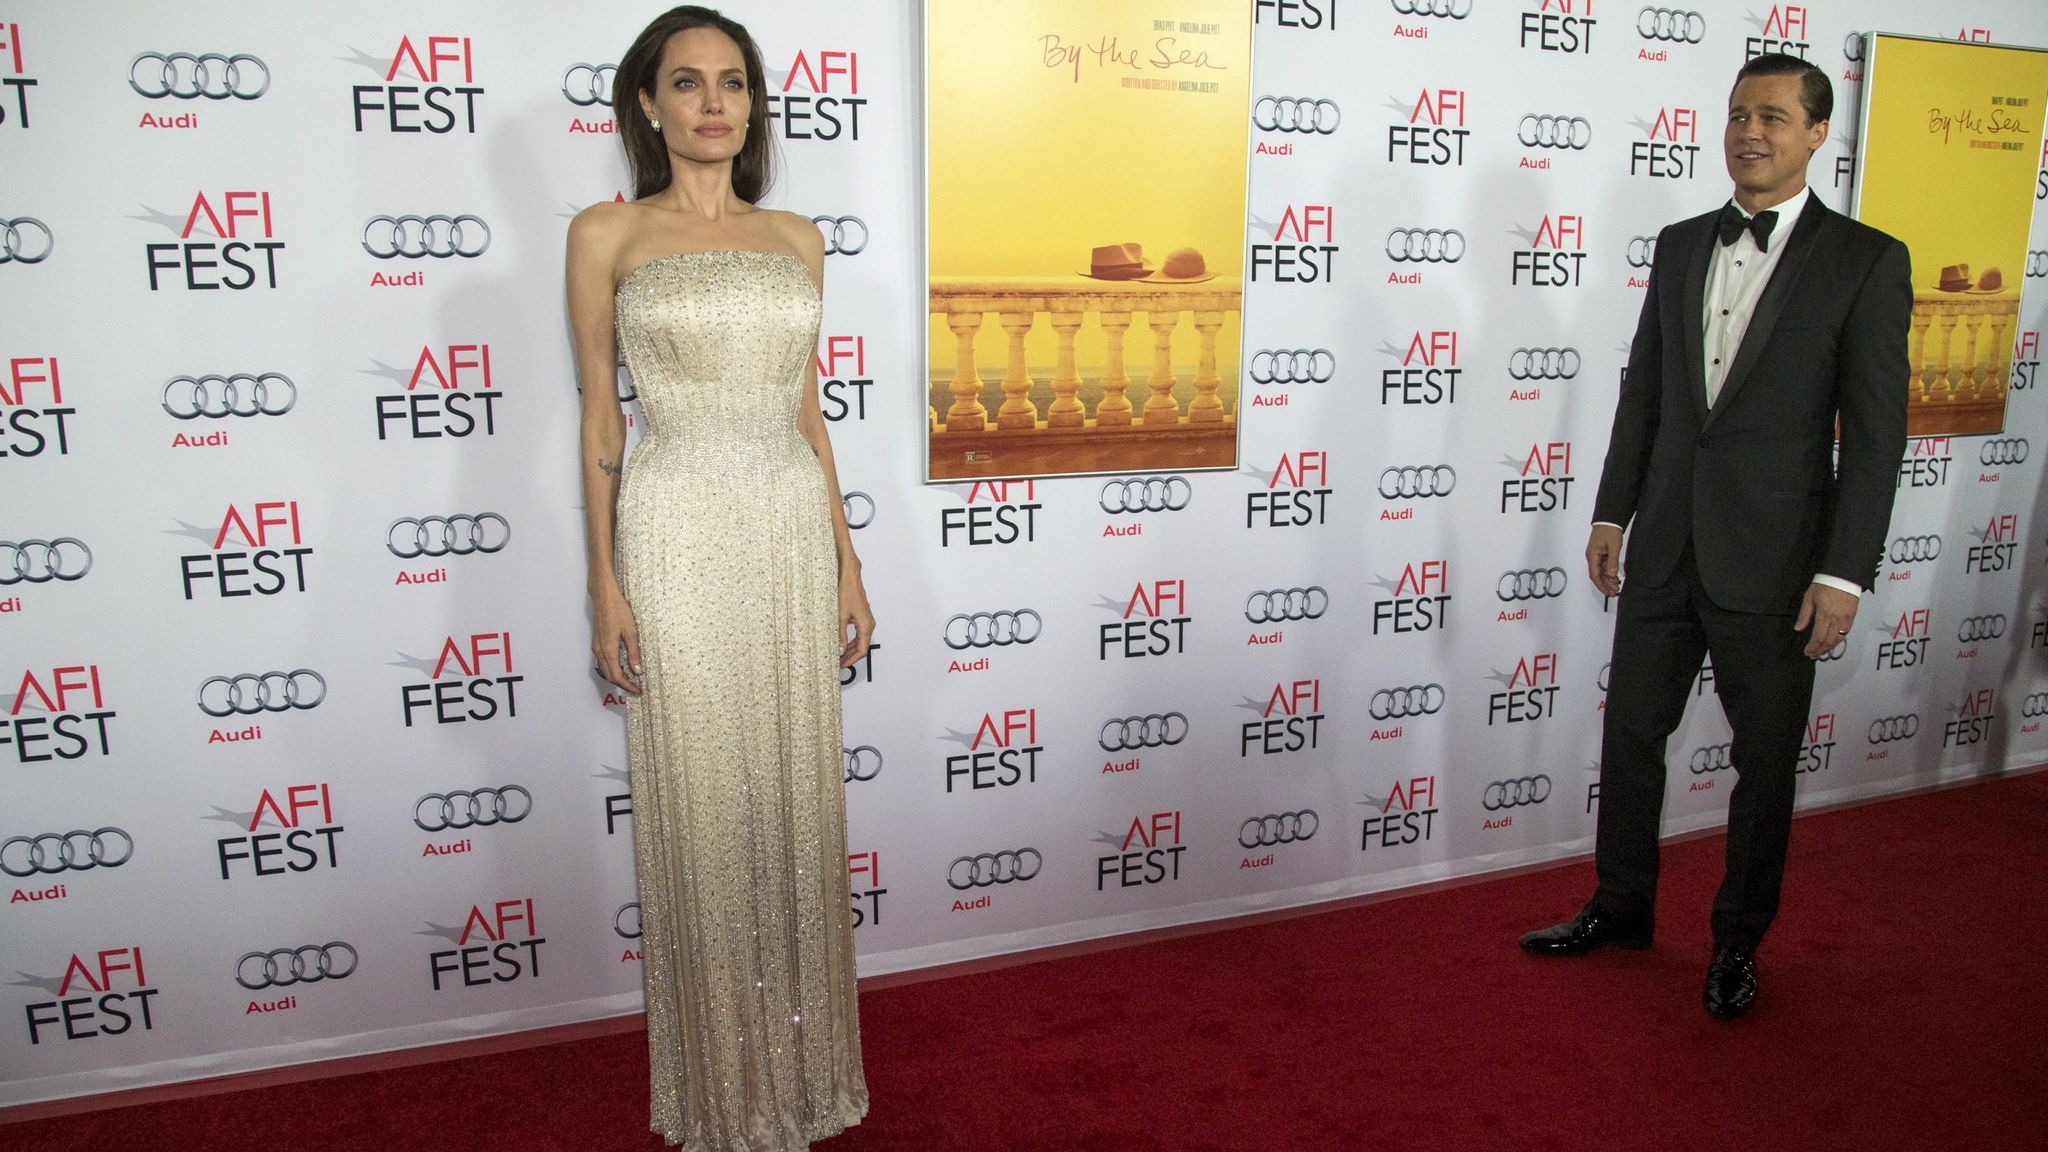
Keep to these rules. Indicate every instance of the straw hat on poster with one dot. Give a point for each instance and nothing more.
(1128, 262)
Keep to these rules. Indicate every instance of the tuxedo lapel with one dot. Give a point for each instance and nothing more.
(1784, 281)
(1692, 317)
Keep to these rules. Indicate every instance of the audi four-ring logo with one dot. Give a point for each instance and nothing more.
(1573, 132)
(251, 692)
(1712, 758)
(1852, 47)
(619, 920)
(306, 964)
(988, 868)
(27, 240)
(1152, 731)
(859, 508)
(1273, 604)
(242, 394)
(1671, 24)
(41, 561)
(1604, 670)
(1515, 793)
(844, 235)
(2037, 262)
(993, 629)
(1295, 114)
(1146, 494)
(1531, 583)
(1913, 549)
(1543, 363)
(1293, 366)
(1418, 481)
(1279, 828)
(2012, 451)
(862, 763)
(2034, 705)
(1426, 245)
(1975, 628)
(389, 237)
(1413, 700)
(1642, 251)
(587, 84)
(73, 851)
(1443, 9)
(410, 537)
(1889, 728)
(477, 808)
(187, 76)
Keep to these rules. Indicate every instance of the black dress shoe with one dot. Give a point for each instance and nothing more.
(1731, 982)
(1592, 928)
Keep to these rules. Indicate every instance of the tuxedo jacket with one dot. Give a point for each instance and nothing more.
(1754, 483)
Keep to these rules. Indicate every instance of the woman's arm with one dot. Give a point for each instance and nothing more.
(595, 237)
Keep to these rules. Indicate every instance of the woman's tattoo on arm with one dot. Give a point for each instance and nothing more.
(607, 467)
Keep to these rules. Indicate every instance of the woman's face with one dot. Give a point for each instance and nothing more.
(700, 95)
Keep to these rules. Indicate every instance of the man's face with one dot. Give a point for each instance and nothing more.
(1769, 139)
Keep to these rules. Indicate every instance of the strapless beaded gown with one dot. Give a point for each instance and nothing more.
(725, 550)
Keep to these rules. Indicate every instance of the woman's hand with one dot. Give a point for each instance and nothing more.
(613, 629)
(853, 610)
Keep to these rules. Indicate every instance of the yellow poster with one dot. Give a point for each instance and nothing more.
(1950, 146)
(1085, 195)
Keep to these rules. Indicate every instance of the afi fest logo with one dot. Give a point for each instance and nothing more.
(1559, 26)
(1669, 148)
(464, 682)
(2026, 352)
(1908, 646)
(1297, 492)
(1152, 621)
(1545, 480)
(1817, 752)
(1529, 691)
(1993, 551)
(1435, 132)
(494, 946)
(100, 993)
(1290, 719)
(1303, 248)
(818, 98)
(865, 868)
(235, 248)
(1416, 601)
(448, 392)
(1406, 816)
(1556, 254)
(1926, 463)
(73, 724)
(1001, 752)
(1306, 15)
(1783, 30)
(843, 379)
(32, 410)
(441, 96)
(13, 77)
(258, 553)
(1154, 860)
(997, 512)
(1428, 373)
(1973, 719)
(304, 817)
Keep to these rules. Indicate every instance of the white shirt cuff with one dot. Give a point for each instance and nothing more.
(1844, 585)
(1608, 523)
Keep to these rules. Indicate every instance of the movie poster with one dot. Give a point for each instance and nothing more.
(1950, 145)
(1085, 194)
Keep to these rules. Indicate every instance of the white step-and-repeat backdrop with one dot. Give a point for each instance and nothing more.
(300, 754)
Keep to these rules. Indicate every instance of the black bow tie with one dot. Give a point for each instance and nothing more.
(1734, 223)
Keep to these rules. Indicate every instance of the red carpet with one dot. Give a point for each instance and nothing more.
(1903, 1007)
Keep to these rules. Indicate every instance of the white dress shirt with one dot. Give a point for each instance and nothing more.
(1736, 277)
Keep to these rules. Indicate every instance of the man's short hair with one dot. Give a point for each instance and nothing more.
(1816, 95)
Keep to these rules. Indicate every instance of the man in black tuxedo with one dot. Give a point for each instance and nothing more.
(1767, 323)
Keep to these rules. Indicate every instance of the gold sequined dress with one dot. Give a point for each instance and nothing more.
(726, 554)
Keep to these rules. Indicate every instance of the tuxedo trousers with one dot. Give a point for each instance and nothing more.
(1765, 684)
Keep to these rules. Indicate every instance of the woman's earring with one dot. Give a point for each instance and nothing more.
(654, 124)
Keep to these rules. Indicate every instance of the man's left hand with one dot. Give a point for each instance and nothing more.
(1831, 612)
